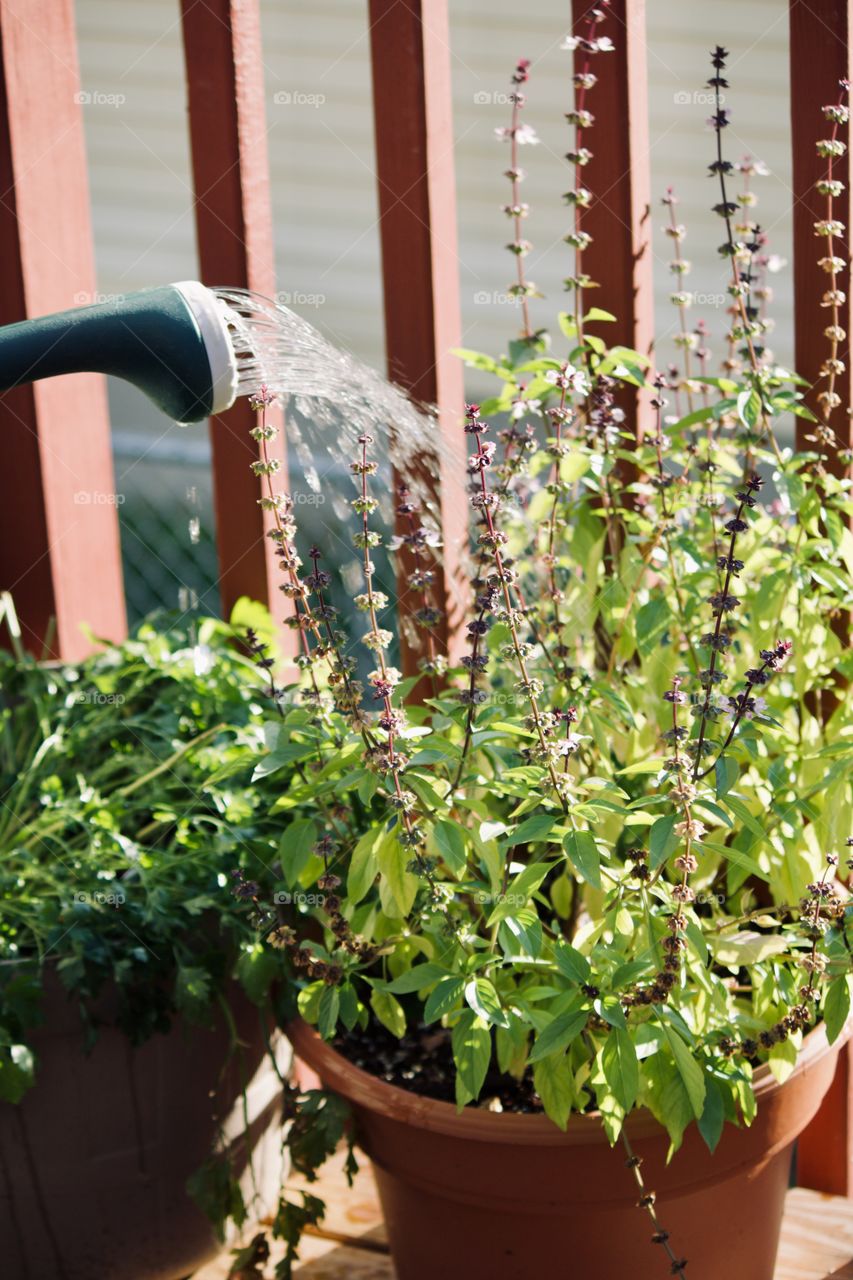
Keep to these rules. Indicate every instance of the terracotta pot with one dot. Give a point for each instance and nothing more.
(94, 1160)
(510, 1197)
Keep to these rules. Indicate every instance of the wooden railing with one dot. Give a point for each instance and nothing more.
(59, 535)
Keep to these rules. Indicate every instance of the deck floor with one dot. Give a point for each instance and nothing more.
(817, 1236)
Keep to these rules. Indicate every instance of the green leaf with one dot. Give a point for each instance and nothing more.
(641, 766)
(737, 856)
(652, 621)
(745, 947)
(559, 1034)
(284, 755)
(663, 841)
(193, 993)
(308, 1001)
(690, 419)
(571, 962)
(748, 407)
(621, 1071)
(727, 772)
(397, 886)
(537, 827)
(568, 326)
(484, 1000)
(629, 373)
(443, 998)
(519, 891)
(295, 847)
(522, 933)
(363, 867)
(836, 1006)
(610, 1009)
(389, 1011)
(726, 385)
(330, 1003)
(552, 1080)
(713, 1114)
(256, 969)
(740, 810)
(17, 1072)
(349, 1006)
(471, 1042)
(450, 842)
(666, 1097)
(476, 359)
(596, 313)
(217, 1194)
(691, 1073)
(582, 852)
(422, 975)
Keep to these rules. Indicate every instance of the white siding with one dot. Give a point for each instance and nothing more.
(322, 151)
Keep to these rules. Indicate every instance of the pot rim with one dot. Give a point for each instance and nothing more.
(479, 1125)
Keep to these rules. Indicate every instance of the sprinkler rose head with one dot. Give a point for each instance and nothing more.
(173, 343)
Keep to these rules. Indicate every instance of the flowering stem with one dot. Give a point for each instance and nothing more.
(735, 526)
(647, 1202)
(721, 167)
(679, 268)
(558, 417)
(427, 616)
(828, 399)
(580, 155)
(493, 540)
(712, 664)
(665, 532)
(518, 246)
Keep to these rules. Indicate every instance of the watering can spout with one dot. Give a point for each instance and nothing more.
(173, 343)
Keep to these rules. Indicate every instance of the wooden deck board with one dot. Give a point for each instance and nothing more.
(817, 1235)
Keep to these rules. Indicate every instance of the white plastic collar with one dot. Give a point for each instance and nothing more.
(217, 341)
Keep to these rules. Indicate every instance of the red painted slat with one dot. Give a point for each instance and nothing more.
(620, 256)
(228, 134)
(821, 55)
(824, 1152)
(59, 539)
(417, 208)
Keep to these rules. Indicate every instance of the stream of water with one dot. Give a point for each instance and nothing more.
(330, 397)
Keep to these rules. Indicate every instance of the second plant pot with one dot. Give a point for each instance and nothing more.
(95, 1159)
(509, 1196)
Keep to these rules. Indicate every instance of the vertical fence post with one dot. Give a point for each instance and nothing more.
(420, 270)
(619, 220)
(59, 536)
(820, 42)
(228, 136)
(820, 57)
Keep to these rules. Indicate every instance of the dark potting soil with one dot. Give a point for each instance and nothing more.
(422, 1062)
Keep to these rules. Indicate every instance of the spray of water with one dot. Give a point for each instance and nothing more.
(331, 397)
